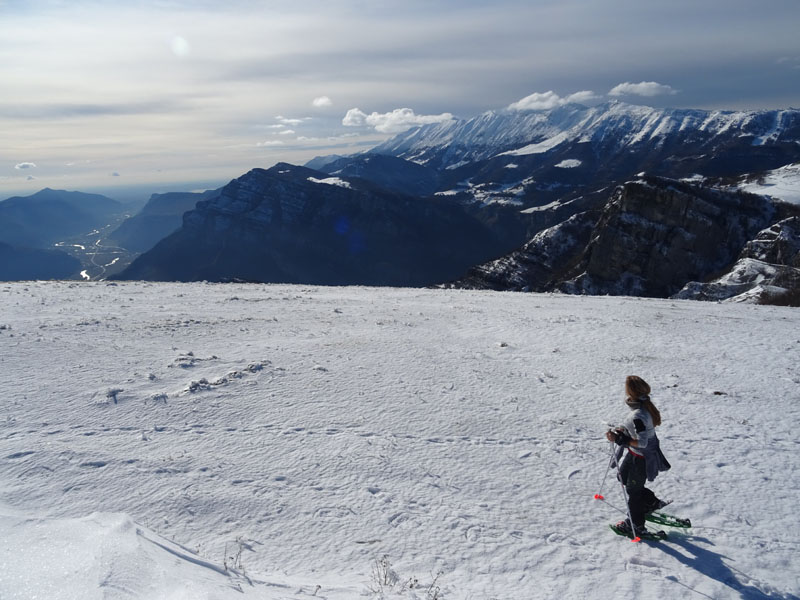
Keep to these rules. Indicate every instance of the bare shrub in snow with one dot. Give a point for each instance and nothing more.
(233, 558)
(385, 580)
(383, 576)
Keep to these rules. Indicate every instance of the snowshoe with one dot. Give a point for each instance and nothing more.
(624, 529)
(668, 520)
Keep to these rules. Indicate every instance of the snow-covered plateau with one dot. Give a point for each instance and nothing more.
(220, 441)
(783, 184)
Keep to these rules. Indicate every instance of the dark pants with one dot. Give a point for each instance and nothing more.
(633, 474)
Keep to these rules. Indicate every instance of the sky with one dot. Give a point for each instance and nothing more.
(169, 94)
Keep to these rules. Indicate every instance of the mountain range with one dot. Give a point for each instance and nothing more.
(484, 202)
(509, 176)
(48, 216)
(31, 226)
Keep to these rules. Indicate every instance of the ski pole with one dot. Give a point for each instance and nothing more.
(599, 494)
(636, 538)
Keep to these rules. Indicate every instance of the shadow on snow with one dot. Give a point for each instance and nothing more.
(713, 565)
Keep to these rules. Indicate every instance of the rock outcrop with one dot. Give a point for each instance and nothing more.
(652, 237)
(539, 263)
(767, 272)
(657, 234)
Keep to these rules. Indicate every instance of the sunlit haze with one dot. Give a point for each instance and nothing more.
(170, 94)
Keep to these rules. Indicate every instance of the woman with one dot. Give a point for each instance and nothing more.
(644, 459)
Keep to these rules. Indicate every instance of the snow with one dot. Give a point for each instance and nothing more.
(783, 184)
(331, 181)
(696, 178)
(154, 435)
(569, 163)
(510, 133)
(534, 209)
(103, 555)
(540, 147)
(773, 133)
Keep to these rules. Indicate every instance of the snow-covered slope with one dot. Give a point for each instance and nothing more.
(468, 140)
(153, 434)
(781, 184)
(103, 555)
(615, 125)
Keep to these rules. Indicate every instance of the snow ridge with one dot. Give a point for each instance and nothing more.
(519, 133)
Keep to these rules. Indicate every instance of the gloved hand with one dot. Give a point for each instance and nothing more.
(621, 438)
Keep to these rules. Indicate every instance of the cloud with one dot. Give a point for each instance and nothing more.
(322, 102)
(286, 132)
(115, 174)
(285, 121)
(792, 61)
(25, 165)
(400, 119)
(550, 100)
(31, 178)
(582, 97)
(269, 143)
(645, 88)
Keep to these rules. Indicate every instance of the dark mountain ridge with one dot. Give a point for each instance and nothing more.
(162, 215)
(48, 216)
(34, 263)
(290, 224)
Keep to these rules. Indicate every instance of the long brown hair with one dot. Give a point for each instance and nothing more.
(638, 389)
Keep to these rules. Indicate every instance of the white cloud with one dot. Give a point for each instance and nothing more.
(269, 143)
(644, 88)
(400, 119)
(25, 165)
(582, 97)
(792, 61)
(322, 102)
(285, 121)
(286, 132)
(549, 100)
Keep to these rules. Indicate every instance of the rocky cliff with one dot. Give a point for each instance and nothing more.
(656, 234)
(162, 215)
(652, 237)
(767, 272)
(295, 225)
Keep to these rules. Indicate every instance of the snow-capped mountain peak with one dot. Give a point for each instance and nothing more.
(615, 123)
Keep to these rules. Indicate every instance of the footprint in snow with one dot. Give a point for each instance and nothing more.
(333, 513)
(20, 454)
(484, 534)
